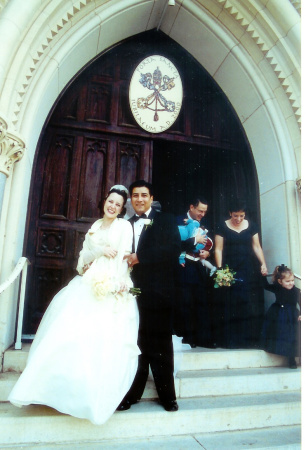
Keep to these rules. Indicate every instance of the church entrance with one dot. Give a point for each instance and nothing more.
(91, 142)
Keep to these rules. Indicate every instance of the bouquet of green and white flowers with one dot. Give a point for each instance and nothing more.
(224, 277)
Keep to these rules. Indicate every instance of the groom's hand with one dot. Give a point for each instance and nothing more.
(201, 239)
(131, 259)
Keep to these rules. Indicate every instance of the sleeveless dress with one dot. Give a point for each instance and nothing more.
(84, 357)
(239, 308)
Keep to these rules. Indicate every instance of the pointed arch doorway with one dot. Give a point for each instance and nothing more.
(91, 142)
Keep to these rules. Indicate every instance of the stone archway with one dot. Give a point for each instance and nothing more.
(92, 142)
(250, 48)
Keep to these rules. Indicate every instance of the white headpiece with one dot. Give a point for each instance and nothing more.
(120, 187)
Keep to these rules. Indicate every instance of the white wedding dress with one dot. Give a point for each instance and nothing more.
(84, 357)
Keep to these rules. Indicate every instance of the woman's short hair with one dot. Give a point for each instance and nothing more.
(237, 205)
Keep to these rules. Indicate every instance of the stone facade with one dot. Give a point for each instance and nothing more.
(250, 47)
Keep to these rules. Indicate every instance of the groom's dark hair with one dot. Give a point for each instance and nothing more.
(141, 183)
(196, 200)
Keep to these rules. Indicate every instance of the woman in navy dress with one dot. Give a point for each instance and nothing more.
(237, 309)
(281, 327)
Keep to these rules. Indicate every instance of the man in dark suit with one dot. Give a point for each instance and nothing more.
(156, 248)
(192, 315)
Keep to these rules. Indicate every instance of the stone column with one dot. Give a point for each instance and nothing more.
(11, 150)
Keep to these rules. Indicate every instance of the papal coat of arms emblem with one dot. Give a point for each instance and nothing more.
(155, 94)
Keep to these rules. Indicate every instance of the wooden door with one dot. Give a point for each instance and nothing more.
(73, 175)
(183, 172)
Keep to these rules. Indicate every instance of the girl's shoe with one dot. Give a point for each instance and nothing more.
(213, 270)
(292, 363)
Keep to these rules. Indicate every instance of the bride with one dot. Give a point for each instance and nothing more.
(84, 357)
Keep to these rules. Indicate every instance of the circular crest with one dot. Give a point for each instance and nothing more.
(155, 94)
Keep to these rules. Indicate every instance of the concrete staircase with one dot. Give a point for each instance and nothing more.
(228, 399)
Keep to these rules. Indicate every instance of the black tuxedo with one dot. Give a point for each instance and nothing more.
(192, 314)
(158, 251)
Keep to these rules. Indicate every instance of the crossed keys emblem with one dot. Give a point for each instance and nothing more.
(156, 101)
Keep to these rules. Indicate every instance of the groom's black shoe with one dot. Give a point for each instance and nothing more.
(124, 405)
(170, 405)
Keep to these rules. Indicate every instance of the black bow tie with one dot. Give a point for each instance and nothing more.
(135, 218)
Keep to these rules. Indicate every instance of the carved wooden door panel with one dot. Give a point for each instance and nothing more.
(73, 174)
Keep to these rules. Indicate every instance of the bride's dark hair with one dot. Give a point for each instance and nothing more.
(123, 195)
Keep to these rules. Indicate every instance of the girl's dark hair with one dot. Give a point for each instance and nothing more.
(123, 195)
(280, 272)
(237, 205)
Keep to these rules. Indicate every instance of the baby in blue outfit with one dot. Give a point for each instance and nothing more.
(190, 230)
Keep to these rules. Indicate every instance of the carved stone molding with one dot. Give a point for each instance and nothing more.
(297, 5)
(65, 14)
(299, 185)
(248, 15)
(2, 4)
(255, 27)
(11, 148)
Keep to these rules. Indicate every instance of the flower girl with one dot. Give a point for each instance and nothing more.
(281, 324)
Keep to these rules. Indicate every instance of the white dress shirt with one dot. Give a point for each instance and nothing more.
(138, 226)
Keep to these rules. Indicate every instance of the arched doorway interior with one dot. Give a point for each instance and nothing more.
(91, 142)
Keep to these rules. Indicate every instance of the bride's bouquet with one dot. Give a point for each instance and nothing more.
(105, 285)
(224, 277)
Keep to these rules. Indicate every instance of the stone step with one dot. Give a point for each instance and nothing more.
(195, 359)
(201, 358)
(237, 381)
(202, 383)
(275, 438)
(205, 382)
(39, 424)
(15, 360)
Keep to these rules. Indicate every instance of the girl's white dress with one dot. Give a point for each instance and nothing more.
(84, 357)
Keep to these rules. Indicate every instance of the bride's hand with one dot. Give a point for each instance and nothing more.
(109, 252)
(86, 267)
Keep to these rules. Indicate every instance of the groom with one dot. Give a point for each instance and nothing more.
(156, 248)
